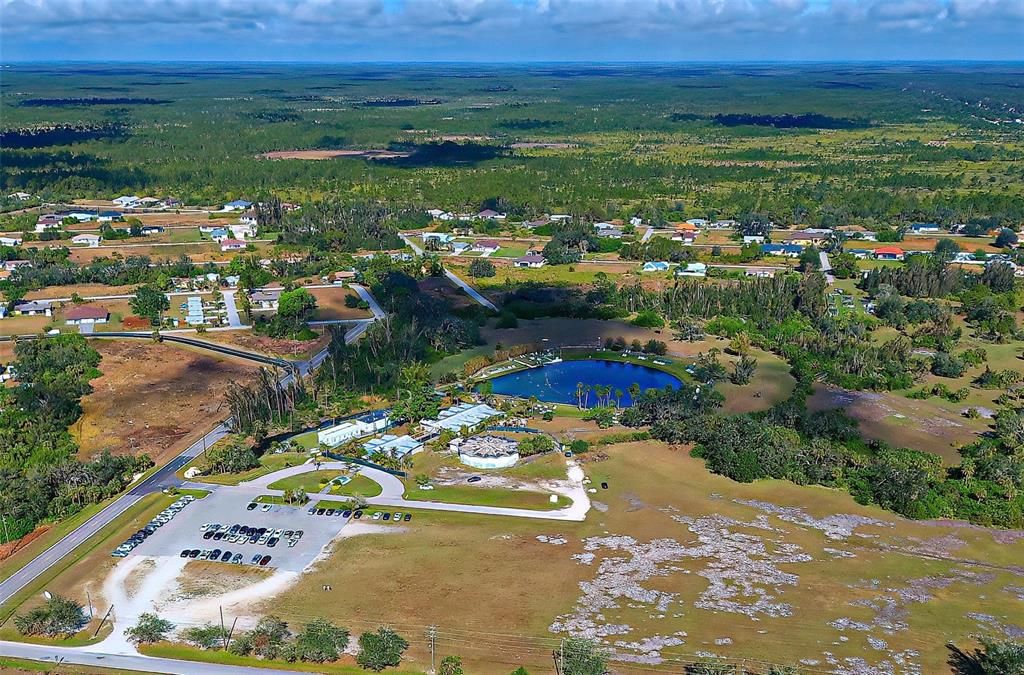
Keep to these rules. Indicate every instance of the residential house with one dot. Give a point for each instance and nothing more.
(243, 231)
(170, 203)
(540, 222)
(264, 300)
(232, 245)
(340, 277)
(724, 224)
(237, 205)
(86, 314)
(753, 239)
(808, 237)
(889, 253)
(925, 228)
(762, 272)
(442, 238)
(87, 239)
(859, 253)
(686, 236)
(33, 308)
(148, 202)
(81, 216)
(248, 218)
(109, 216)
(696, 269)
(533, 260)
(490, 214)
(3, 314)
(126, 201)
(655, 266)
(11, 265)
(785, 250)
(610, 233)
(697, 222)
(10, 241)
(560, 216)
(150, 230)
(20, 196)
(435, 213)
(487, 246)
(636, 221)
(207, 229)
(219, 234)
(460, 247)
(49, 221)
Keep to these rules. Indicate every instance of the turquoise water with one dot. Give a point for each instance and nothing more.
(556, 382)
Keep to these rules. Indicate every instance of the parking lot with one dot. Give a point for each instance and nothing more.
(227, 506)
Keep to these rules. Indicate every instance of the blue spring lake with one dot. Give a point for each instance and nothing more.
(556, 382)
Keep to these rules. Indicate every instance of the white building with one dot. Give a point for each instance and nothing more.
(127, 201)
(364, 425)
(486, 452)
(396, 446)
(696, 269)
(464, 415)
(87, 239)
(10, 241)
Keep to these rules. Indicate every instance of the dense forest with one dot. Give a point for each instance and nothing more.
(40, 477)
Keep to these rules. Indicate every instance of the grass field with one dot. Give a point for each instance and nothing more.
(11, 665)
(359, 485)
(487, 496)
(184, 652)
(793, 578)
(313, 481)
(331, 304)
(268, 464)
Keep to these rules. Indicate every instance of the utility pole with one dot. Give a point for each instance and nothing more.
(7, 536)
(103, 620)
(432, 636)
(89, 598)
(223, 631)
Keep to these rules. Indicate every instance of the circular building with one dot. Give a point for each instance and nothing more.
(486, 452)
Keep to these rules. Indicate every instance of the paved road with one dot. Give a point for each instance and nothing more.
(234, 320)
(472, 292)
(363, 293)
(826, 267)
(145, 664)
(647, 235)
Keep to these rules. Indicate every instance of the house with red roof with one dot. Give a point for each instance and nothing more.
(80, 314)
(889, 253)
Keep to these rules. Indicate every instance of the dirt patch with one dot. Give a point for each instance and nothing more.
(330, 154)
(331, 304)
(544, 146)
(918, 424)
(10, 548)
(205, 580)
(153, 398)
(260, 344)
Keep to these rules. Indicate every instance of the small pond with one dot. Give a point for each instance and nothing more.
(557, 382)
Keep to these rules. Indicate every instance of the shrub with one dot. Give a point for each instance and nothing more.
(59, 616)
(149, 629)
(381, 649)
(205, 637)
(648, 319)
(481, 268)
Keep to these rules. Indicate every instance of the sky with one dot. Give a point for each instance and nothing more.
(511, 30)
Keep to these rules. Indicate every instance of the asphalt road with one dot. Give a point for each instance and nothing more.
(472, 292)
(145, 664)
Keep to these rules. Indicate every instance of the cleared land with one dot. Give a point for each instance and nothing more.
(679, 561)
(330, 154)
(153, 398)
(330, 304)
(279, 347)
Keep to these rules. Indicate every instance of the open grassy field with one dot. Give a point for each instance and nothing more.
(488, 496)
(359, 485)
(268, 464)
(681, 561)
(25, 325)
(153, 398)
(311, 481)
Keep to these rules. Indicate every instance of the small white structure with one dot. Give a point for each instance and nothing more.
(127, 201)
(531, 260)
(87, 239)
(364, 425)
(753, 239)
(396, 446)
(696, 269)
(20, 196)
(486, 452)
(464, 415)
(10, 241)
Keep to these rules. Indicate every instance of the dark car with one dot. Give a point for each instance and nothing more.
(214, 554)
(234, 529)
(357, 515)
(320, 512)
(226, 557)
(387, 516)
(604, 486)
(262, 531)
(244, 530)
(473, 479)
(208, 535)
(272, 542)
(255, 559)
(264, 560)
(218, 536)
(185, 552)
(346, 513)
(251, 506)
(407, 517)
(193, 554)
(312, 510)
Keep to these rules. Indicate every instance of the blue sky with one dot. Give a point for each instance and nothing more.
(511, 30)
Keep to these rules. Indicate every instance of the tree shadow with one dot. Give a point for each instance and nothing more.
(963, 663)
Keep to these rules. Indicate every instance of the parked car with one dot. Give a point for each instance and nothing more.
(298, 534)
(263, 539)
(251, 506)
(264, 560)
(214, 554)
(346, 513)
(312, 510)
(329, 512)
(265, 508)
(287, 533)
(237, 560)
(357, 515)
(386, 516)
(193, 554)
(208, 534)
(320, 512)
(377, 515)
(272, 542)
(473, 479)
(397, 516)
(277, 532)
(407, 517)
(255, 559)
(226, 557)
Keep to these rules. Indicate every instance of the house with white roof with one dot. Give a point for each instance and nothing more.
(10, 241)
(463, 415)
(237, 205)
(87, 239)
(364, 425)
(126, 201)
(696, 269)
(396, 446)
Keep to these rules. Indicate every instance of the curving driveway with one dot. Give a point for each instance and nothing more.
(392, 490)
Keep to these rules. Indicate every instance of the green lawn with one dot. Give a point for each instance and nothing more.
(11, 665)
(198, 494)
(487, 496)
(268, 464)
(308, 440)
(360, 485)
(311, 481)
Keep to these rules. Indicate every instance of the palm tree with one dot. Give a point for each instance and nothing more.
(579, 395)
(618, 398)
(634, 391)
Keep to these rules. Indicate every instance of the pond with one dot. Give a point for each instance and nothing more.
(557, 382)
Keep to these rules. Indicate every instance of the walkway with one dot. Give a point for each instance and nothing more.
(826, 267)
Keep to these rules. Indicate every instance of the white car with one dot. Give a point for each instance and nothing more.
(265, 507)
(204, 527)
(277, 532)
(264, 539)
(378, 515)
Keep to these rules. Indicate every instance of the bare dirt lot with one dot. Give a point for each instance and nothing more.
(331, 304)
(153, 398)
(331, 154)
(84, 290)
(246, 339)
